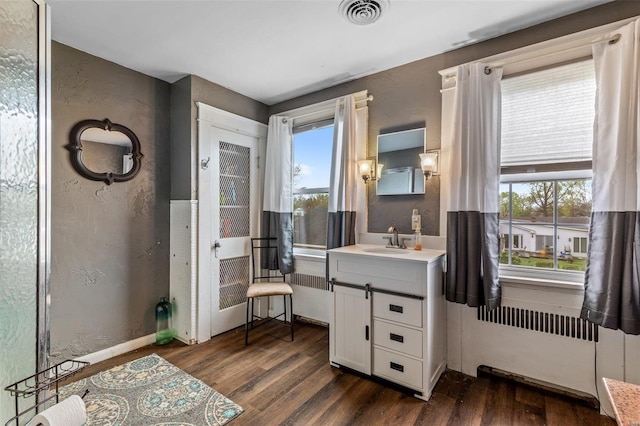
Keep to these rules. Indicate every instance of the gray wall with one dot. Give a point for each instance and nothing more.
(184, 127)
(181, 139)
(409, 97)
(110, 243)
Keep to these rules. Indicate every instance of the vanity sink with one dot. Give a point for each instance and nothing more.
(385, 250)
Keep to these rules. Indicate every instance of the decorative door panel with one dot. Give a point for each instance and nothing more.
(234, 221)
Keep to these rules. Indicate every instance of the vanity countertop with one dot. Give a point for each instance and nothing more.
(625, 398)
(375, 250)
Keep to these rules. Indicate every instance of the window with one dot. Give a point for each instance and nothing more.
(516, 241)
(312, 145)
(579, 244)
(545, 191)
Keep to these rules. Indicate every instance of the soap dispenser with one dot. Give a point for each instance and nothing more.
(416, 226)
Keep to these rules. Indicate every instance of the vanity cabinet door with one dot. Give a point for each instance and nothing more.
(350, 329)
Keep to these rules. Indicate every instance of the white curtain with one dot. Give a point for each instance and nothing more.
(473, 213)
(277, 219)
(341, 224)
(612, 282)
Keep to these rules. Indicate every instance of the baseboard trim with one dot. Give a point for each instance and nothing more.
(119, 349)
(576, 395)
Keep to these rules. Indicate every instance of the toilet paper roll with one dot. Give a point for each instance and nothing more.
(70, 412)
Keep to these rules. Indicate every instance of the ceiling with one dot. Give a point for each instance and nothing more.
(272, 51)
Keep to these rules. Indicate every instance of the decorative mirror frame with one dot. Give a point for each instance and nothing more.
(75, 148)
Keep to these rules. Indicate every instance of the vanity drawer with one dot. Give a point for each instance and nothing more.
(397, 368)
(398, 338)
(398, 308)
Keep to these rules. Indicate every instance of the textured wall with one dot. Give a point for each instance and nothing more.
(181, 139)
(409, 97)
(184, 130)
(110, 243)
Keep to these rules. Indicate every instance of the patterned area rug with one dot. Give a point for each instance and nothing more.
(151, 391)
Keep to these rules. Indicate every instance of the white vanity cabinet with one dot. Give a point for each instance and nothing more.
(388, 317)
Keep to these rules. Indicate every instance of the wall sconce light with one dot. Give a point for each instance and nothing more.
(369, 170)
(430, 163)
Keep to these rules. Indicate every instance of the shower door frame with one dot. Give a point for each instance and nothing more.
(43, 300)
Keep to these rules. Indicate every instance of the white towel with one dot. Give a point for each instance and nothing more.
(70, 412)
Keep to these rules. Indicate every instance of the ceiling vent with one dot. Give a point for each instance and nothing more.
(363, 12)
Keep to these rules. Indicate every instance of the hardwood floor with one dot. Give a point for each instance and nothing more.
(281, 382)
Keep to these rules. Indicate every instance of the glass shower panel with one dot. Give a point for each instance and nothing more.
(18, 195)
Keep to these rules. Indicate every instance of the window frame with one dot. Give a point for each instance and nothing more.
(309, 249)
(508, 271)
(326, 110)
(555, 172)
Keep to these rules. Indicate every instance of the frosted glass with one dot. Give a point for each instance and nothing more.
(18, 195)
(547, 116)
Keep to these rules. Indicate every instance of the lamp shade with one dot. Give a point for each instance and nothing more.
(365, 168)
(379, 171)
(429, 163)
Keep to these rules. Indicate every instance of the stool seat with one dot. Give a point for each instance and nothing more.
(269, 289)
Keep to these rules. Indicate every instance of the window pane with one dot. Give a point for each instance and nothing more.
(310, 221)
(504, 201)
(312, 158)
(532, 202)
(547, 116)
(574, 201)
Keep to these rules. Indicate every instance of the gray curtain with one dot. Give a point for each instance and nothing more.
(280, 226)
(473, 247)
(341, 223)
(277, 216)
(341, 229)
(612, 277)
(473, 244)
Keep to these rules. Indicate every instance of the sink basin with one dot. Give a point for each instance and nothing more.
(385, 250)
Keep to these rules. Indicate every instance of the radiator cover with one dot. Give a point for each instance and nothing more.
(544, 322)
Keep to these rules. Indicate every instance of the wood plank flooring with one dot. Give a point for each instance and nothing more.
(278, 381)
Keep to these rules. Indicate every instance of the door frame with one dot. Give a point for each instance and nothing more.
(208, 117)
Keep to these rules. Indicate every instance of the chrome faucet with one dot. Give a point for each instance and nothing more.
(394, 242)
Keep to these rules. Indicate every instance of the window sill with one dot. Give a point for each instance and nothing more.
(310, 255)
(541, 283)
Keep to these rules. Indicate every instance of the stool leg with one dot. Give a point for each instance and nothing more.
(284, 299)
(246, 326)
(252, 315)
(291, 305)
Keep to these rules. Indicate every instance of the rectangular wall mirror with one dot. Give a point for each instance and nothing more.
(399, 153)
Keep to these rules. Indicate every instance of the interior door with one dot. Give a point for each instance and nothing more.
(234, 216)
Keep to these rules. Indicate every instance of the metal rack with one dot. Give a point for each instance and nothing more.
(45, 380)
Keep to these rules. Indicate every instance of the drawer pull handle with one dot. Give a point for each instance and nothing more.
(396, 308)
(397, 367)
(396, 337)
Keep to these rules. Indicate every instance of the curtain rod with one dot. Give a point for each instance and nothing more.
(488, 68)
(285, 119)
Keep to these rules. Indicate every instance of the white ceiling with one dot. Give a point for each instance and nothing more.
(276, 50)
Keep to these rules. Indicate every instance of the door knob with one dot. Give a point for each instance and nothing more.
(216, 247)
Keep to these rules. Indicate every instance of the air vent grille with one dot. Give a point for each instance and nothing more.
(363, 12)
(311, 281)
(544, 322)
